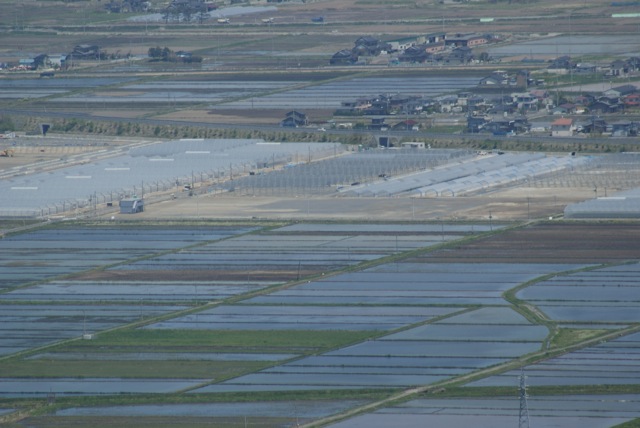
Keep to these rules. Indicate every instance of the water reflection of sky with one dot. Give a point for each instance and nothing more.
(226, 12)
(571, 45)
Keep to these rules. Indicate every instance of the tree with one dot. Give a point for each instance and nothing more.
(484, 57)
(6, 124)
(166, 53)
(156, 52)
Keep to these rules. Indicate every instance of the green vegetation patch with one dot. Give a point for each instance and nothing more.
(503, 391)
(248, 341)
(571, 336)
(168, 369)
(159, 421)
(631, 424)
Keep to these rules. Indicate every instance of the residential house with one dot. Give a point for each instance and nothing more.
(369, 46)
(619, 68)
(566, 108)
(466, 40)
(85, 51)
(561, 65)
(400, 45)
(413, 105)
(294, 119)
(378, 123)
(414, 54)
(499, 125)
(632, 100)
(502, 106)
(525, 101)
(406, 125)
(434, 48)
(562, 127)
(432, 43)
(447, 103)
(476, 123)
(622, 128)
(584, 100)
(520, 124)
(434, 38)
(344, 57)
(497, 78)
(506, 125)
(595, 125)
(633, 63)
(620, 91)
(58, 60)
(604, 105)
(585, 68)
(459, 55)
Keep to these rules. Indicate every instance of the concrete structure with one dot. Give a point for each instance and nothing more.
(413, 145)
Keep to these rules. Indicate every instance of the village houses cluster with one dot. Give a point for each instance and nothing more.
(429, 48)
(503, 100)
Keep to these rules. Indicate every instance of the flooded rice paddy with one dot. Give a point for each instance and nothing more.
(570, 411)
(398, 324)
(611, 363)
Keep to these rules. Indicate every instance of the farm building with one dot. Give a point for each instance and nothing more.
(294, 119)
(621, 205)
(344, 57)
(131, 206)
(466, 40)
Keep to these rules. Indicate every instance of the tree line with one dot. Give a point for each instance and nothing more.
(165, 54)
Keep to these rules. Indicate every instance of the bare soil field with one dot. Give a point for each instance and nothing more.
(257, 117)
(551, 243)
(56, 26)
(273, 275)
(518, 203)
(507, 205)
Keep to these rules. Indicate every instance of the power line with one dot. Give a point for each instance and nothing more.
(524, 409)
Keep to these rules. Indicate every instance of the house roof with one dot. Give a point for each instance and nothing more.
(369, 40)
(625, 89)
(563, 121)
(539, 93)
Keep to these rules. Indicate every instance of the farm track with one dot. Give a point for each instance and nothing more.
(433, 389)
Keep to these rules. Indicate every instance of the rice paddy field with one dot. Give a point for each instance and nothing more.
(319, 324)
(270, 325)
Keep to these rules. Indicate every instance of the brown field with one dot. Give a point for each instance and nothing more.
(56, 26)
(563, 242)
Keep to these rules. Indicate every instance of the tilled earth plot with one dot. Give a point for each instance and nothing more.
(551, 243)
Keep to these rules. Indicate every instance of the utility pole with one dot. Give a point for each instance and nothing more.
(524, 409)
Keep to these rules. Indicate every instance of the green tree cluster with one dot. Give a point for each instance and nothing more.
(6, 124)
(165, 54)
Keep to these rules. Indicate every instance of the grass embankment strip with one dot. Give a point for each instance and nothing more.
(536, 316)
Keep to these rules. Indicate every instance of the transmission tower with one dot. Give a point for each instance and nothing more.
(524, 409)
